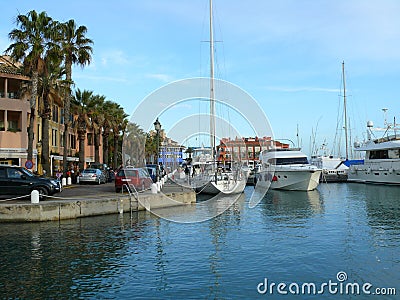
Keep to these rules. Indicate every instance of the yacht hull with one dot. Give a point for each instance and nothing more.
(301, 180)
(369, 174)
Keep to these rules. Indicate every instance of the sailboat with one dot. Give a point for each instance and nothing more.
(334, 169)
(211, 179)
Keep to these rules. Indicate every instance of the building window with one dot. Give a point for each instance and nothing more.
(62, 116)
(61, 139)
(14, 121)
(72, 141)
(90, 139)
(2, 128)
(55, 113)
(54, 137)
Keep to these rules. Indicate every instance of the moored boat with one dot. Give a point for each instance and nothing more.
(210, 178)
(382, 160)
(287, 169)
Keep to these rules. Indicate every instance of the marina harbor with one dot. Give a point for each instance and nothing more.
(200, 149)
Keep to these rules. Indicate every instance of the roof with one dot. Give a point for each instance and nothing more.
(375, 145)
(282, 153)
(7, 66)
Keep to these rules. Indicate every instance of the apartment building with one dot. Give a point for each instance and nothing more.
(14, 114)
(14, 122)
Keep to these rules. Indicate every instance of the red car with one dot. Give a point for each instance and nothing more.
(138, 177)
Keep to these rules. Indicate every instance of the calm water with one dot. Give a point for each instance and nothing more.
(289, 237)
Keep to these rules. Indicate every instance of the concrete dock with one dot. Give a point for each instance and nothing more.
(78, 201)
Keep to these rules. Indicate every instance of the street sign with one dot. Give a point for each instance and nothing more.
(29, 164)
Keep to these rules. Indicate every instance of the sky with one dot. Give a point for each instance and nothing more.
(286, 54)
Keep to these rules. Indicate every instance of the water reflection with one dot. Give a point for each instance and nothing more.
(58, 257)
(383, 212)
(219, 227)
(285, 206)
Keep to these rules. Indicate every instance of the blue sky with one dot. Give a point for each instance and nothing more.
(286, 54)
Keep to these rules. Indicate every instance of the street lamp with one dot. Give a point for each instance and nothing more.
(157, 126)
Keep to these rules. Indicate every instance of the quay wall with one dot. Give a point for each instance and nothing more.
(54, 210)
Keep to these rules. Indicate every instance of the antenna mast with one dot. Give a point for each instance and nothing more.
(345, 113)
(212, 96)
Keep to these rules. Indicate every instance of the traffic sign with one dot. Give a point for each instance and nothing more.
(29, 164)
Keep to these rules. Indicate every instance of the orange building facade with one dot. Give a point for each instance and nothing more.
(14, 122)
(246, 150)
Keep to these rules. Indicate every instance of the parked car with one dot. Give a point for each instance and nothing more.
(138, 177)
(92, 176)
(15, 180)
(103, 168)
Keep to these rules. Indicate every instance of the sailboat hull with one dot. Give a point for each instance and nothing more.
(225, 186)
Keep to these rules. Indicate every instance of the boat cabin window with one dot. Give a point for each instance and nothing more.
(378, 154)
(394, 153)
(385, 154)
(289, 161)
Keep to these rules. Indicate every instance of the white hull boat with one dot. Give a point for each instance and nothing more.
(381, 163)
(287, 169)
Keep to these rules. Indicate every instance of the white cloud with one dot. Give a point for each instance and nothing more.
(162, 77)
(302, 89)
(114, 57)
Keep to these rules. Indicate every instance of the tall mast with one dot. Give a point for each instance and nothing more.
(212, 96)
(345, 113)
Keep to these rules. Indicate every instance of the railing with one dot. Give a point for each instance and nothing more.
(132, 191)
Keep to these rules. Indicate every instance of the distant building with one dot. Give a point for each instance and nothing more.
(171, 153)
(245, 149)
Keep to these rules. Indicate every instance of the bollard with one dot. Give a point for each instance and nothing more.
(158, 186)
(64, 181)
(35, 196)
(69, 181)
(154, 188)
(77, 179)
(121, 206)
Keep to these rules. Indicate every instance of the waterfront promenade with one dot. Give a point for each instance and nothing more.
(77, 201)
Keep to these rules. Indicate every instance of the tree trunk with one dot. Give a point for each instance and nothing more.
(81, 137)
(67, 106)
(96, 146)
(31, 128)
(45, 145)
(116, 138)
(105, 146)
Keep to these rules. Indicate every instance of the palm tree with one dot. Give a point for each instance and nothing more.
(76, 49)
(134, 144)
(118, 124)
(97, 121)
(31, 42)
(50, 84)
(82, 105)
(106, 111)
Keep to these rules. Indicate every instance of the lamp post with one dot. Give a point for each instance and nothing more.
(157, 127)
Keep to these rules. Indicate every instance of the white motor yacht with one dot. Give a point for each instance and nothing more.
(382, 160)
(287, 169)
